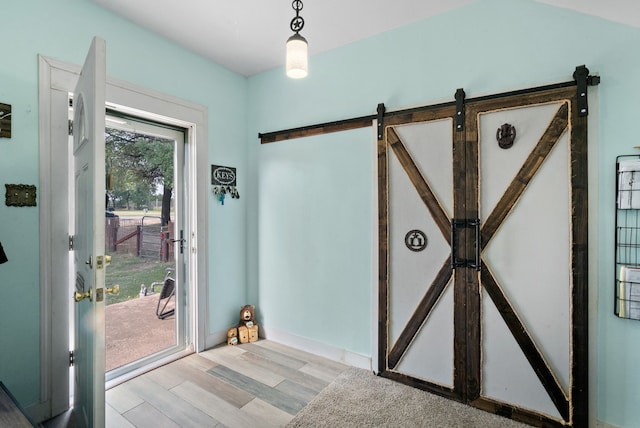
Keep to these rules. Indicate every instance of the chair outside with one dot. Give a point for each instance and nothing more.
(166, 294)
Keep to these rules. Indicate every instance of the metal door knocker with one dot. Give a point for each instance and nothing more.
(506, 135)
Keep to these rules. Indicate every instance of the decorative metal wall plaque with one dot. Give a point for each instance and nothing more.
(20, 195)
(506, 135)
(415, 240)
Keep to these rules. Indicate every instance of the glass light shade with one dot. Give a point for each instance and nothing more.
(297, 57)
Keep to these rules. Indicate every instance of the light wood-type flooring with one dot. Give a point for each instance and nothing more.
(260, 384)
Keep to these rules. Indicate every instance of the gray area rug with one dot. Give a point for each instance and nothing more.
(357, 398)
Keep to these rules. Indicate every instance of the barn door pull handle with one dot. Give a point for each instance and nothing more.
(477, 265)
(456, 262)
(453, 243)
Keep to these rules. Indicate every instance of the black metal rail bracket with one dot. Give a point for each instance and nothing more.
(460, 109)
(583, 79)
(380, 120)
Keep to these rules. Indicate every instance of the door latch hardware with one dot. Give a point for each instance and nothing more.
(100, 292)
(99, 262)
(70, 242)
(72, 358)
(181, 241)
(113, 290)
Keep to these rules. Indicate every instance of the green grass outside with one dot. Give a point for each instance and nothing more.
(129, 272)
(138, 213)
(153, 212)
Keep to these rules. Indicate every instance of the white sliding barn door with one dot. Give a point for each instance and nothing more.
(483, 254)
(526, 259)
(420, 277)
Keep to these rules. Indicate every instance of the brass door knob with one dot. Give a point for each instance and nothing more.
(78, 296)
(107, 260)
(113, 290)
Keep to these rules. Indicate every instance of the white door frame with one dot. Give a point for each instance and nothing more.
(56, 80)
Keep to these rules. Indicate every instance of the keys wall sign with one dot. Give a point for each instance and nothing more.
(223, 181)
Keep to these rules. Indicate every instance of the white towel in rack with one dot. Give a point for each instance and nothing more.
(629, 292)
(629, 184)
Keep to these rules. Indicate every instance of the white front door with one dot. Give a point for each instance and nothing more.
(56, 81)
(88, 238)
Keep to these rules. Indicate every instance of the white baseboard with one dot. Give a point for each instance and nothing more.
(38, 412)
(215, 339)
(317, 348)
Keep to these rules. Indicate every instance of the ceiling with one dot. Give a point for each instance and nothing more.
(248, 36)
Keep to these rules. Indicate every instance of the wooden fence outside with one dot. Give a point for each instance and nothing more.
(144, 237)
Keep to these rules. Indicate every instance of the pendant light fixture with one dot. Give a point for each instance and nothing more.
(297, 62)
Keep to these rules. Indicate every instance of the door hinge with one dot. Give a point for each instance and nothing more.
(70, 127)
(72, 358)
(70, 242)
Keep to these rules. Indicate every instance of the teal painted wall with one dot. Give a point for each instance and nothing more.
(315, 238)
(63, 30)
(310, 217)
